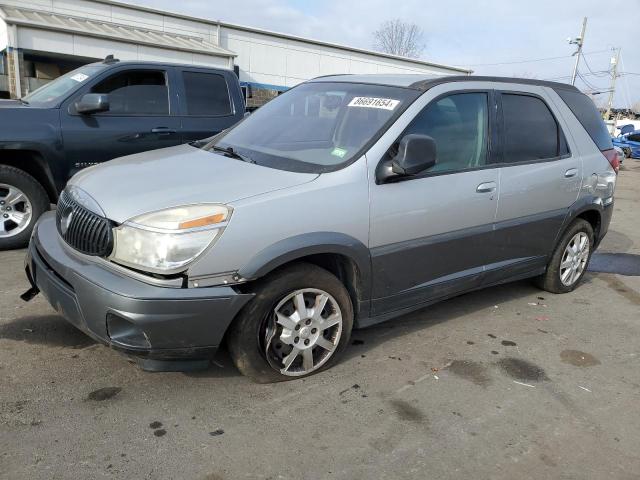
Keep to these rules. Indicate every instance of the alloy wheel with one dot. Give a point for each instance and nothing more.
(575, 258)
(15, 211)
(303, 332)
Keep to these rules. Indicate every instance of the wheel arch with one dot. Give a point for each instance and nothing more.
(342, 255)
(33, 163)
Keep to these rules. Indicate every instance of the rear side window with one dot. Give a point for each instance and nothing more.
(587, 114)
(136, 92)
(206, 94)
(530, 130)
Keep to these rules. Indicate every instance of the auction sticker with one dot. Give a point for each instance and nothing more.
(79, 77)
(374, 102)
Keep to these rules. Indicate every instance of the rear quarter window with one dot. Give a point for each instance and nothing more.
(587, 114)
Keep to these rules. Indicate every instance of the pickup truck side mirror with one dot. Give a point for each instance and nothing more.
(93, 103)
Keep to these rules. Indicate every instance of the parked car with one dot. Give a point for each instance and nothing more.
(628, 141)
(621, 155)
(344, 202)
(95, 113)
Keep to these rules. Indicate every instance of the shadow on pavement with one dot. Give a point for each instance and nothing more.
(51, 330)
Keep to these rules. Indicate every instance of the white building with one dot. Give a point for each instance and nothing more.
(42, 39)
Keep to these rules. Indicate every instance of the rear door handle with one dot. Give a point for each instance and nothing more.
(572, 172)
(486, 187)
(163, 130)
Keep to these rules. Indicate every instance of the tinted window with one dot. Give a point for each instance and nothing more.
(459, 125)
(530, 130)
(587, 114)
(633, 137)
(206, 94)
(142, 92)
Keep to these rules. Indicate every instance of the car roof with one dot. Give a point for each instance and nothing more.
(115, 62)
(427, 81)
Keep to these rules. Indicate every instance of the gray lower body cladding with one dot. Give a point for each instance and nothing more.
(129, 315)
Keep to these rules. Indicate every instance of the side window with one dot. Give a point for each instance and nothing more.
(136, 92)
(459, 124)
(206, 94)
(530, 130)
(634, 137)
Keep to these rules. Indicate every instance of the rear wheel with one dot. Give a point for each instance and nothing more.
(298, 323)
(570, 259)
(22, 201)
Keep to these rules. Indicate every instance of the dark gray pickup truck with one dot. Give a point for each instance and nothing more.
(96, 113)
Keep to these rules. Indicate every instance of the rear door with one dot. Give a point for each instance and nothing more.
(430, 233)
(139, 118)
(540, 178)
(207, 105)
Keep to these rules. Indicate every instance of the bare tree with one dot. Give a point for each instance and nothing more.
(399, 38)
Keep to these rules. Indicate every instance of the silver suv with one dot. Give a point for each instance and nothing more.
(347, 201)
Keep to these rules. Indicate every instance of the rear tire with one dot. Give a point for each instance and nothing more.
(297, 324)
(22, 201)
(570, 259)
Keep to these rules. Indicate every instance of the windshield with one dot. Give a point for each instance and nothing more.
(58, 89)
(316, 127)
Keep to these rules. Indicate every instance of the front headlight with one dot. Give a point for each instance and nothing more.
(167, 241)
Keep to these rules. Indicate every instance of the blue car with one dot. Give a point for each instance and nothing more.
(628, 141)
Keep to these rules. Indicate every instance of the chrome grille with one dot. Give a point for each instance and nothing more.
(84, 230)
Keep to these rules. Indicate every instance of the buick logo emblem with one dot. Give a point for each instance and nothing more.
(65, 221)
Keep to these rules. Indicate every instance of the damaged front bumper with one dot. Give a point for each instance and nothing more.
(167, 328)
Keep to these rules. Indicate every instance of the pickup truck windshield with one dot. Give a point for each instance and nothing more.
(316, 127)
(52, 92)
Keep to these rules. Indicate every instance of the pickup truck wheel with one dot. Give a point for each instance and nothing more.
(298, 323)
(570, 259)
(22, 201)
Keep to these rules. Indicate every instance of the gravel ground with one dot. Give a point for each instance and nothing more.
(508, 382)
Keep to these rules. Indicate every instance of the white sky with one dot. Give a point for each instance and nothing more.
(462, 32)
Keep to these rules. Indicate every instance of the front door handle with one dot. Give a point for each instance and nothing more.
(572, 172)
(163, 130)
(486, 187)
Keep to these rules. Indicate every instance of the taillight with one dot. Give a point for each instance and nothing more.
(612, 157)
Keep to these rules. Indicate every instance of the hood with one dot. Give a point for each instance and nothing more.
(12, 104)
(175, 176)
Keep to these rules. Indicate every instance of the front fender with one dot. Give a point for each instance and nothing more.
(299, 246)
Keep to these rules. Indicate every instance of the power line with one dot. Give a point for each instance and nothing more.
(532, 60)
(597, 74)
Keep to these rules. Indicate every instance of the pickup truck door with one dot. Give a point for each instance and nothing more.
(141, 117)
(209, 102)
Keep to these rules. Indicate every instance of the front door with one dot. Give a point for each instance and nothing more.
(139, 118)
(430, 233)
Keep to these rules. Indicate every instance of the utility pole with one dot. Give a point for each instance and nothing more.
(579, 41)
(614, 75)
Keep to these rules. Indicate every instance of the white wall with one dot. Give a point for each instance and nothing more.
(4, 40)
(277, 61)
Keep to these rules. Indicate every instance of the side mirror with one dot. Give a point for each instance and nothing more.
(93, 103)
(416, 153)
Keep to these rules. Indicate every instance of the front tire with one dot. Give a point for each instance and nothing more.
(22, 201)
(570, 259)
(298, 324)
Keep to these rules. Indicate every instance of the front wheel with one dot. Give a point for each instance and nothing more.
(570, 259)
(298, 323)
(22, 201)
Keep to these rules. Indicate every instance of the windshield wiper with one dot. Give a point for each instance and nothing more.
(230, 152)
(23, 101)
